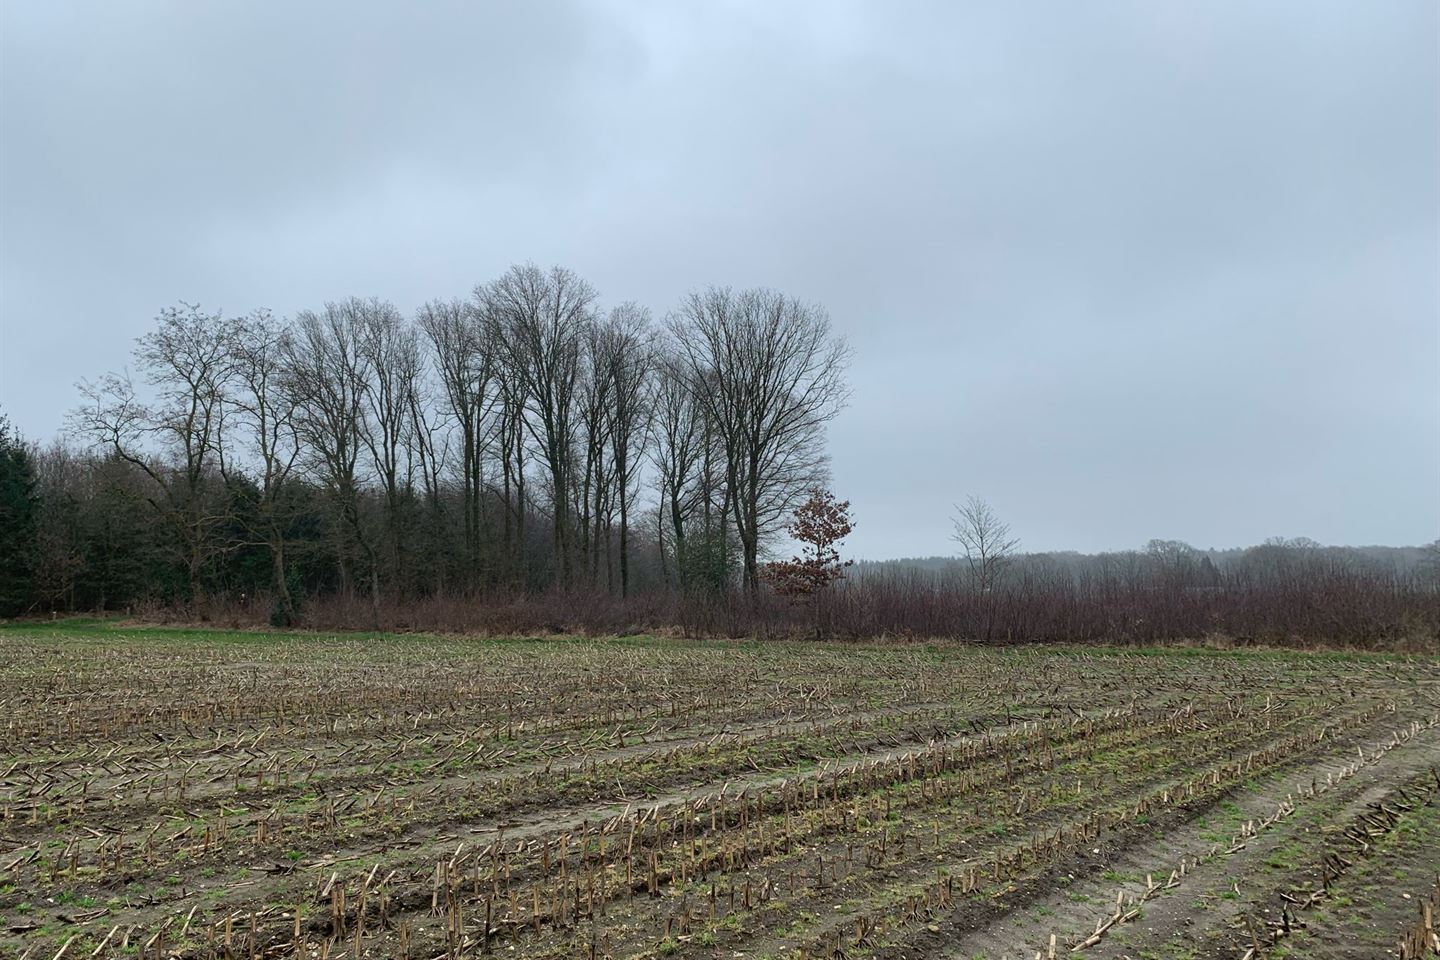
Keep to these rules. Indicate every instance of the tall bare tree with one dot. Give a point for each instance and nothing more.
(430, 452)
(265, 409)
(987, 542)
(389, 355)
(511, 432)
(770, 375)
(327, 375)
(628, 364)
(594, 495)
(989, 550)
(187, 363)
(465, 363)
(541, 316)
(679, 435)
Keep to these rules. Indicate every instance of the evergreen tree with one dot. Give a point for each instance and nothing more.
(17, 523)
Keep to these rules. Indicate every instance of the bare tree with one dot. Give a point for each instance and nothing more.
(689, 458)
(389, 353)
(258, 345)
(326, 374)
(186, 361)
(1175, 561)
(679, 437)
(985, 538)
(629, 357)
(540, 317)
(1429, 566)
(429, 452)
(464, 360)
(1277, 560)
(594, 495)
(770, 375)
(511, 432)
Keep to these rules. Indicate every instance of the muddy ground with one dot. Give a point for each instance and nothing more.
(211, 794)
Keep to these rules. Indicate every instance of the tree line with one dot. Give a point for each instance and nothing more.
(524, 459)
(1288, 592)
(519, 439)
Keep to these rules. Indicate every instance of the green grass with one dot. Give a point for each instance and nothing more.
(114, 627)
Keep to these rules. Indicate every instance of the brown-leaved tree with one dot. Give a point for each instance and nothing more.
(819, 524)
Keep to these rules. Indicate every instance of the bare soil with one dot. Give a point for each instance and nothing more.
(192, 794)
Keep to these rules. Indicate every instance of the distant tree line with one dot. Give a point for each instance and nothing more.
(524, 460)
(518, 440)
(1289, 591)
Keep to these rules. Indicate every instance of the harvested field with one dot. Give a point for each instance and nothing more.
(212, 794)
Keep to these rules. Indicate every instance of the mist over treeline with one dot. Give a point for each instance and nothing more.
(1201, 564)
(525, 459)
(1284, 591)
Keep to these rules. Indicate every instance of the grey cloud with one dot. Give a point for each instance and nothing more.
(1125, 269)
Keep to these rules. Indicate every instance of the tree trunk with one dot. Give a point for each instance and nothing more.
(624, 482)
(682, 574)
(282, 586)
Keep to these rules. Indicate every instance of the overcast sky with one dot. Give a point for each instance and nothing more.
(1126, 270)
